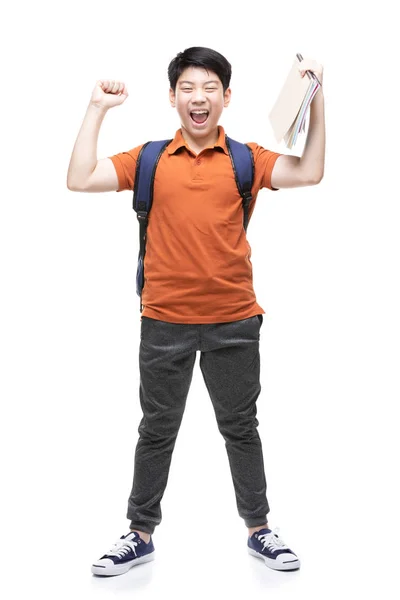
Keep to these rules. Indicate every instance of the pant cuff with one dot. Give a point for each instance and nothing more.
(143, 527)
(256, 522)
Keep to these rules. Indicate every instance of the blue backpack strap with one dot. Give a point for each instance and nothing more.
(243, 167)
(146, 165)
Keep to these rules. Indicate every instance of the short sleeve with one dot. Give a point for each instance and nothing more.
(264, 161)
(125, 166)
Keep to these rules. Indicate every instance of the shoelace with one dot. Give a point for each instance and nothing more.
(271, 540)
(122, 547)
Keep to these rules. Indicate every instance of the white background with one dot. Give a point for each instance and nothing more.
(325, 263)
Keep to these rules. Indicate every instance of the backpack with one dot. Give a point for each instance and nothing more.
(243, 167)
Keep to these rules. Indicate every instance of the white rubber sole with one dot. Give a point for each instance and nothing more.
(272, 564)
(120, 569)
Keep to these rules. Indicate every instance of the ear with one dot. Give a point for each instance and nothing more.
(172, 97)
(227, 97)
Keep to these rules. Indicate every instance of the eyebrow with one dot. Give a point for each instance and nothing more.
(191, 82)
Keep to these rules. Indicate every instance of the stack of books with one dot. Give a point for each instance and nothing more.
(288, 114)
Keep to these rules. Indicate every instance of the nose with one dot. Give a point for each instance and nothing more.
(198, 95)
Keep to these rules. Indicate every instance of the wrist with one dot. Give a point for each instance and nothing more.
(97, 108)
(320, 93)
(317, 101)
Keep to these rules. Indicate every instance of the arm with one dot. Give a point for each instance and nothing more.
(84, 156)
(85, 172)
(295, 171)
(312, 161)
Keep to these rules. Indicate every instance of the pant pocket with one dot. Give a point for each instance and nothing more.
(260, 318)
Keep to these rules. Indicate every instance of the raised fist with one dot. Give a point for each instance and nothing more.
(109, 93)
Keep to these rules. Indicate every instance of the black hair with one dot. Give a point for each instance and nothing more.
(197, 56)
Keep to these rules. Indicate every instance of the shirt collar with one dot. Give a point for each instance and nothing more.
(179, 141)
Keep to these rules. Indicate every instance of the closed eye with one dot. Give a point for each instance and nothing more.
(190, 89)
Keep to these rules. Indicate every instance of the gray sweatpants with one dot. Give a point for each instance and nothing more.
(230, 364)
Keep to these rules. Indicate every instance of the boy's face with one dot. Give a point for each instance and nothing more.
(196, 90)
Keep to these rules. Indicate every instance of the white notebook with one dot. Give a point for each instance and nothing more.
(288, 114)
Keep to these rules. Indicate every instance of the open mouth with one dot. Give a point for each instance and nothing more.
(199, 116)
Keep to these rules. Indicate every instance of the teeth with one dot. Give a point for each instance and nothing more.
(199, 112)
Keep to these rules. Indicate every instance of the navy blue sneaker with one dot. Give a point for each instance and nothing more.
(268, 545)
(130, 550)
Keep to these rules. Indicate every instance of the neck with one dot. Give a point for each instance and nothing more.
(198, 144)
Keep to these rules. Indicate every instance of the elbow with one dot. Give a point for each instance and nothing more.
(72, 187)
(316, 179)
(320, 177)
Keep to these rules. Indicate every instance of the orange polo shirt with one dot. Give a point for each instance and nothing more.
(197, 265)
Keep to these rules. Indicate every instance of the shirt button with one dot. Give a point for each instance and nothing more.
(198, 161)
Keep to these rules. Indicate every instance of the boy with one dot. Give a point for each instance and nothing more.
(198, 292)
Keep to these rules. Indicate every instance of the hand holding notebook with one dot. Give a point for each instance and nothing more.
(288, 114)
